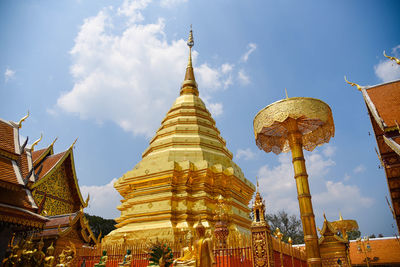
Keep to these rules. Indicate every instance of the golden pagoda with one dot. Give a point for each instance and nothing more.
(186, 167)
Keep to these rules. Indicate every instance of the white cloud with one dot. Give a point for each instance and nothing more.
(278, 187)
(250, 49)
(216, 109)
(171, 3)
(243, 78)
(329, 150)
(104, 200)
(133, 76)
(226, 68)
(359, 169)
(246, 154)
(9, 74)
(131, 9)
(388, 70)
(340, 197)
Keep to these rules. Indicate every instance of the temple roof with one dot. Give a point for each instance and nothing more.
(16, 202)
(384, 101)
(61, 225)
(50, 162)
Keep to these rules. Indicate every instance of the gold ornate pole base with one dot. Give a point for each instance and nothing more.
(303, 192)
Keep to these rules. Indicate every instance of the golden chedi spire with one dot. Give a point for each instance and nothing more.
(189, 85)
(186, 166)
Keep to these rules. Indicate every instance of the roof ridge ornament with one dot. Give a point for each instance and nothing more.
(21, 120)
(36, 142)
(52, 143)
(395, 59)
(353, 84)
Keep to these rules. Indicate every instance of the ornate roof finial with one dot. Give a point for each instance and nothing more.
(257, 184)
(190, 43)
(286, 93)
(72, 146)
(391, 58)
(189, 85)
(340, 216)
(52, 143)
(37, 141)
(353, 84)
(21, 120)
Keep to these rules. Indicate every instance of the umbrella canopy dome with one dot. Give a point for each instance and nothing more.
(314, 120)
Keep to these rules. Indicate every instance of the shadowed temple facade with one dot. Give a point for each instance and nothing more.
(186, 167)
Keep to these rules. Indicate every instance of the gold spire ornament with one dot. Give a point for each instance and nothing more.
(21, 120)
(36, 142)
(353, 84)
(189, 85)
(391, 58)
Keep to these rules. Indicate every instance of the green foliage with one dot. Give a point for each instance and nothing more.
(98, 224)
(353, 235)
(161, 254)
(289, 225)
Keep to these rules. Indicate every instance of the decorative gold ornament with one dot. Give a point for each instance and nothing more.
(23, 119)
(291, 124)
(391, 58)
(353, 84)
(36, 142)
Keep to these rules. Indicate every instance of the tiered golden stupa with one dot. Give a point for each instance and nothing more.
(181, 175)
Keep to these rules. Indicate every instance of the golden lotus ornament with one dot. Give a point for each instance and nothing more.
(289, 125)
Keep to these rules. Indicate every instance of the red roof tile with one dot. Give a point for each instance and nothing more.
(7, 173)
(36, 154)
(7, 137)
(23, 166)
(386, 98)
(49, 163)
(62, 220)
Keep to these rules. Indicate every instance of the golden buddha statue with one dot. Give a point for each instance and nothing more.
(27, 253)
(13, 258)
(201, 255)
(61, 260)
(38, 255)
(7, 261)
(103, 260)
(127, 259)
(49, 259)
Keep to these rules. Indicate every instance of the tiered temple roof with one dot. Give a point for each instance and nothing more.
(17, 205)
(383, 103)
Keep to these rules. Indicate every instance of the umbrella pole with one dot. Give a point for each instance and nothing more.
(303, 193)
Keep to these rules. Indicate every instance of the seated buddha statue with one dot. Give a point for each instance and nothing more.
(38, 256)
(201, 255)
(127, 259)
(103, 260)
(49, 259)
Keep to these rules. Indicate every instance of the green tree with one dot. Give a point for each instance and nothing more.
(353, 235)
(98, 224)
(289, 225)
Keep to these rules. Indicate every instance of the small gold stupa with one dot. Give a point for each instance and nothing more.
(186, 167)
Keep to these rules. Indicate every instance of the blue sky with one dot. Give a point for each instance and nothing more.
(108, 71)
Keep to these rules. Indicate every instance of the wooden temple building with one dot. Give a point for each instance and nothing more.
(57, 193)
(18, 210)
(181, 175)
(383, 104)
(39, 193)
